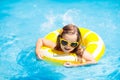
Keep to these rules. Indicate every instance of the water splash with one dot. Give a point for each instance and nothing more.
(115, 75)
(34, 69)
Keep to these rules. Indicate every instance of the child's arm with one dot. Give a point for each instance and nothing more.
(88, 60)
(43, 42)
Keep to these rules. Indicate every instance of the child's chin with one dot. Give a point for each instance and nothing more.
(67, 51)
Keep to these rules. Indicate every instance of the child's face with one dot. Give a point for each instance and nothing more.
(71, 45)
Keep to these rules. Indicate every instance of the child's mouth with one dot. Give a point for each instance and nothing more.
(67, 49)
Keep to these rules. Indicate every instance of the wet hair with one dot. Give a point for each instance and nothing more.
(70, 29)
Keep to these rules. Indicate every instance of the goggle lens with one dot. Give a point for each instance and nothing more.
(64, 43)
(74, 44)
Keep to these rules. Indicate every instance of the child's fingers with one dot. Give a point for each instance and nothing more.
(67, 64)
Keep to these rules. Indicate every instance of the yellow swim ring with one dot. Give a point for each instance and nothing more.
(92, 41)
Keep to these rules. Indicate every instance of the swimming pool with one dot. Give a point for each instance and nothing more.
(22, 22)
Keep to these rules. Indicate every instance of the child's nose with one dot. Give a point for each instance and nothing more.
(68, 46)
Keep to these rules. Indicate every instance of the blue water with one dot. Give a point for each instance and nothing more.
(22, 22)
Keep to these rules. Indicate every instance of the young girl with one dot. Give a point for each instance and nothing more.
(69, 40)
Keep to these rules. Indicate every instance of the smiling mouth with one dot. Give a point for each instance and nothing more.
(67, 49)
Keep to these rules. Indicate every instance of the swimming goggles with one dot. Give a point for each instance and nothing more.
(72, 44)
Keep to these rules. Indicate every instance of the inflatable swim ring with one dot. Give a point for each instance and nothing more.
(93, 43)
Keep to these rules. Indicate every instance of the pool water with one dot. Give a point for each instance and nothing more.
(22, 22)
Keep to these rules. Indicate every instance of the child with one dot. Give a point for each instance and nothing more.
(69, 40)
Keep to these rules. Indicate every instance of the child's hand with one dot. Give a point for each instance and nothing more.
(68, 64)
(40, 55)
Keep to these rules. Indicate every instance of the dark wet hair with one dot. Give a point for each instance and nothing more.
(70, 29)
